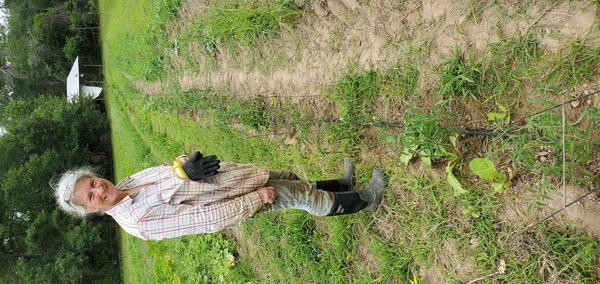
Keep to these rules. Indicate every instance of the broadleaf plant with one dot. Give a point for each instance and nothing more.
(486, 170)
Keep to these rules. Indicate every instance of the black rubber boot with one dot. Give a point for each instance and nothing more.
(346, 183)
(348, 177)
(373, 192)
(347, 203)
(367, 199)
(331, 185)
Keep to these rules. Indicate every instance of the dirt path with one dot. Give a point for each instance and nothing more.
(333, 35)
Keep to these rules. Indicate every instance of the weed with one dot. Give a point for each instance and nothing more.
(515, 51)
(479, 203)
(537, 197)
(252, 114)
(556, 256)
(574, 64)
(461, 77)
(399, 82)
(424, 137)
(510, 65)
(486, 170)
(355, 93)
(577, 255)
(396, 262)
(244, 23)
(544, 154)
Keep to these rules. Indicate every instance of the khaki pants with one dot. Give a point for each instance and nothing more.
(294, 193)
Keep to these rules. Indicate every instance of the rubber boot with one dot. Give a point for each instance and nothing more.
(346, 183)
(347, 203)
(367, 199)
(373, 192)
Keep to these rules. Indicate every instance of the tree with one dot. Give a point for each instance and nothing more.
(43, 138)
(53, 33)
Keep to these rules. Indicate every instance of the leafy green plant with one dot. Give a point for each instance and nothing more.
(424, 137)
(486, 170)
(500, 118)
(450, 177)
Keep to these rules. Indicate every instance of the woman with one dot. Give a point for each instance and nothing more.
(156, 203)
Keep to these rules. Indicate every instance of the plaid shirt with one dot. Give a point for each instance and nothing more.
(166, 206)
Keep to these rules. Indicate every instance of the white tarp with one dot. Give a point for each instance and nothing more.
(73, 87)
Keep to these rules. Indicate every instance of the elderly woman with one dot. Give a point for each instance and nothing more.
(156, 203)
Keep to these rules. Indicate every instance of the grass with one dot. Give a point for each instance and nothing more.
(462, 77)
(139, 33)
(244, 22)
(424, 228)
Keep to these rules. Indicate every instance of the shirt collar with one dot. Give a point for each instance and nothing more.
(122, 205)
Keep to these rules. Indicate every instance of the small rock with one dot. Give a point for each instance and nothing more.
(586, 92)
(574, 104)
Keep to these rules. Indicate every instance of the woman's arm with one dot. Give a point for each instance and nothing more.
(169, 221)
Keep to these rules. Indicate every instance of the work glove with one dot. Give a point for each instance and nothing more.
(199, 167)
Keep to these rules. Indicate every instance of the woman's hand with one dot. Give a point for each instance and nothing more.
(267, 194)
(199, 167)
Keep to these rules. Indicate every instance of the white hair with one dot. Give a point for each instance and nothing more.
(65, 188)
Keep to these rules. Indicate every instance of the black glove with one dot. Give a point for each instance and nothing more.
(198, 167)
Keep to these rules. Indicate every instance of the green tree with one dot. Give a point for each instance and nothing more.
(44, 137)
(53, 34)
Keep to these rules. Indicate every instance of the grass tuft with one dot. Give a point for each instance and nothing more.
(244, 23)
(461, 77)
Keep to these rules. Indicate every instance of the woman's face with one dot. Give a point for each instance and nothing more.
(96, 194)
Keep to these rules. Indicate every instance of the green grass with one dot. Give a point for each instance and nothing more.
(355, 93)
(462, 77)
(139, 29)
(423, 228)
(576, 63)
(244, 22)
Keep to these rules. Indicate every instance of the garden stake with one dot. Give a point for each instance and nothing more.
(560, 210)
(584, 96)
(564, 161)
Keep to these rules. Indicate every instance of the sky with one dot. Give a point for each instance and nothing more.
(3, 16)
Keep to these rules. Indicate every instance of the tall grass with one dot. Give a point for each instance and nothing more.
(462, 77)
(245, 22)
